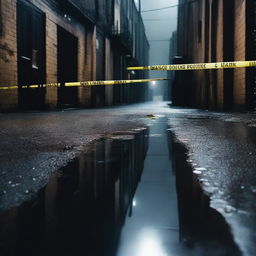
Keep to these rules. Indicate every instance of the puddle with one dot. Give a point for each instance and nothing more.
(203, 230)
(83, 207)
(153, 227)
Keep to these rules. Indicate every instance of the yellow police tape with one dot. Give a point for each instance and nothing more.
(196, 66)
(82, 84)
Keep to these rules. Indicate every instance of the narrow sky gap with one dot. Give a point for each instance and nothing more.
(159, 33)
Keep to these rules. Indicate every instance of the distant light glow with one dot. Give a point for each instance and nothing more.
(134, 203)
(150, 244)
(153, 85)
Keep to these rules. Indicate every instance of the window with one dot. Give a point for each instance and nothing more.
(199, 31)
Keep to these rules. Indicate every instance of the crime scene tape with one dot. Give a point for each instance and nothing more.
(197, 66)
(82, 84)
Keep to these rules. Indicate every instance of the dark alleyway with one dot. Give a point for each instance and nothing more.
(82, 172)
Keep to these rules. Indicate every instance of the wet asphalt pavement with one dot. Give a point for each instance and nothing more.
(222, 152)
(219, 148)
(34, 145)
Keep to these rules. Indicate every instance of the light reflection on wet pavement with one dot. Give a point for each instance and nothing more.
(222, 154)
(153, 228)
(83, 207)
(171, 215)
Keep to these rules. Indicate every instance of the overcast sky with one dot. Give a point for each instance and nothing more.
(159, 29)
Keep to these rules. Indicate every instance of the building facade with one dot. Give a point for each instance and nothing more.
(216, 31)
(172, 55)
(49, 41)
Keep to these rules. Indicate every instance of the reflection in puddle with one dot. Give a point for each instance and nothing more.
(83, 206)
(202, 229)
(153, 229)
(150, 244)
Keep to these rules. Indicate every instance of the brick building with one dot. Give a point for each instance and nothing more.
(48, 41)
(217, 30)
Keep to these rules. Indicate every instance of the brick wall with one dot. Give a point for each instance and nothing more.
(77, 29)
(109, 73)
(89, 70)
(240, 54)
(219, 56)
(220, 89)
(8, 55)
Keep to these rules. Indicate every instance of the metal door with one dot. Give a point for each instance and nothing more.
(252, 97)
(251, 54)
(31, 54)
(214, 29)
(228, 52)
(67, 67)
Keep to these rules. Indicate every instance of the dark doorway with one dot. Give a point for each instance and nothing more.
(251, 55)
(206, 90)
(253, 98)
(98, 92)
(228, 52)
(31, 54)
(214, 32)
(67, 67)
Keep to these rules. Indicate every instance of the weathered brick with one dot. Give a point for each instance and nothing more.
(198, 51)
(8, 62)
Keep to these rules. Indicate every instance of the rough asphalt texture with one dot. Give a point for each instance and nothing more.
(34, 145)
(222, 152)
(221, 149)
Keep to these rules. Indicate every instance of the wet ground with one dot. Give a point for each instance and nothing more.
(61, 194)
(222, 154)
(153, 226)
(83, 206)
(35, 145)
